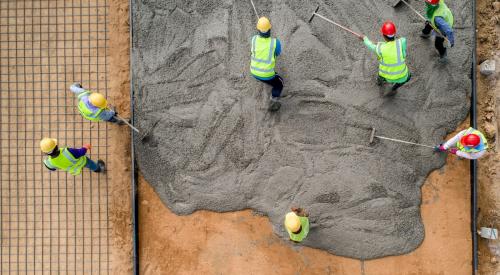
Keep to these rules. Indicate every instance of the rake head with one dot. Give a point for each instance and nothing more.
(372, 135)
(314, 13)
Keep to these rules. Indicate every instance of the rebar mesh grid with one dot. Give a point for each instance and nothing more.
(51, 222)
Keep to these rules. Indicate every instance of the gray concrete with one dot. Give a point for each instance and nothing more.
(214, 145)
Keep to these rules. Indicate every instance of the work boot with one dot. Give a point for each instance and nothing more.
(274, 105)
(102, 166)
(443, 57)
(380, 81)
(425, 35)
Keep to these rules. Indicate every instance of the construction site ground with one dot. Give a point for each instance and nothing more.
(243, 242)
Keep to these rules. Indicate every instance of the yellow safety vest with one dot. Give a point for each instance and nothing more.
(444, 12)
(483, 145)
(85, 111)
(391, 60)
(304, 223)
(66, 161)
(263, 59)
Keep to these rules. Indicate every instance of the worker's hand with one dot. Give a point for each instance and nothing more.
(362, 37)
(427, 22)
(453, 151)
(439, 148)
(87, 146)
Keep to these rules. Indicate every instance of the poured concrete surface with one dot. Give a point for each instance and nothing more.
(213, 145)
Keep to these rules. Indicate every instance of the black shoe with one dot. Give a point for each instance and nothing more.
(442, 57)
(102, 166)
(275, 105)
(425, 36)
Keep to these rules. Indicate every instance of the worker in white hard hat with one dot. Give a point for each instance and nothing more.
(68, 159)
(265, 49)
(297, 224)
(94, 106)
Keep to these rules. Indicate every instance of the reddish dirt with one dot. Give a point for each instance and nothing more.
(119, 189)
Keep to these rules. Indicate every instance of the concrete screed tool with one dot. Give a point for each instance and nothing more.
(334, 23)
(126, 122)
(372, 136)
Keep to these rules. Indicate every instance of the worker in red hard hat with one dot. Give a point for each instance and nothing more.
(469, 144)
(441, 18)
(391, 56)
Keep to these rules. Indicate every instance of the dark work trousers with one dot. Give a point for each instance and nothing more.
(395, 86)
(438, 42)
(277, 83)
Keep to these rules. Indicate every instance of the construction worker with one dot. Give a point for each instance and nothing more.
(391, 56)
(297, 224)
(93, 106)
(469, 144)
(265, 49)
(68, 159)
(441, 18)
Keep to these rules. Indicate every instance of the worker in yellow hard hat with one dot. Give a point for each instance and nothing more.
(297, 224)
(94, 106)
(69, 159)
(265, 49)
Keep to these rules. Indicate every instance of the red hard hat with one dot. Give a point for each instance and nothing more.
(432, 2)
(388, 29)
(470, 140)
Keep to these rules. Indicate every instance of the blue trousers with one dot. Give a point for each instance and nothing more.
(92, 165)
(277, 83)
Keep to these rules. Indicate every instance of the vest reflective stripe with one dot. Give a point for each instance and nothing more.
(304, 223)
(392, 64)
(85, 111)
(444, 12)
(66, 161)
(263, 60)
(483, 145)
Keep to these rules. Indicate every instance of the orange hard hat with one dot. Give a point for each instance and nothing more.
(388, 29)
(470, 140)
(432, 2)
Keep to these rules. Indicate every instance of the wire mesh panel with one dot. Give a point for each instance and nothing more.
(51, 222)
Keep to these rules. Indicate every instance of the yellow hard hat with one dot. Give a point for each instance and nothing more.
(98, 100)
(292, 222)
(263, 25)
(48, 144)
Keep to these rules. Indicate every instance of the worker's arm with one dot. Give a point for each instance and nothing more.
(107, 114)
(277, 52)
(451, 142)
(403, 45)
(76, 90)
(372, 47)
(78, 152)
(470, 155)
(445, 29)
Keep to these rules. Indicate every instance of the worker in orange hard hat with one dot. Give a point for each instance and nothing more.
(94, 106)
(439, 17)
(469, 144)
(391, 55)
(265, 50)
(297, 224)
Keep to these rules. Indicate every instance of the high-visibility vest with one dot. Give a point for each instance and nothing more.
(263, 59)
(444, 12)
(483, 145)
(85, 111)
(66, 161)
(304, 224)
(391, 60)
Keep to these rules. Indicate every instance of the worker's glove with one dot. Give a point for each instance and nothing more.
(87, 146)
(362, 37)
(453, 151)
(439, 148)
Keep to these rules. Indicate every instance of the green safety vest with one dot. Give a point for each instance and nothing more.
(85, 111)
(444, 12)
(263, 59)
(304, 223)
(481, 147)
(66, 161)
(391, 60)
